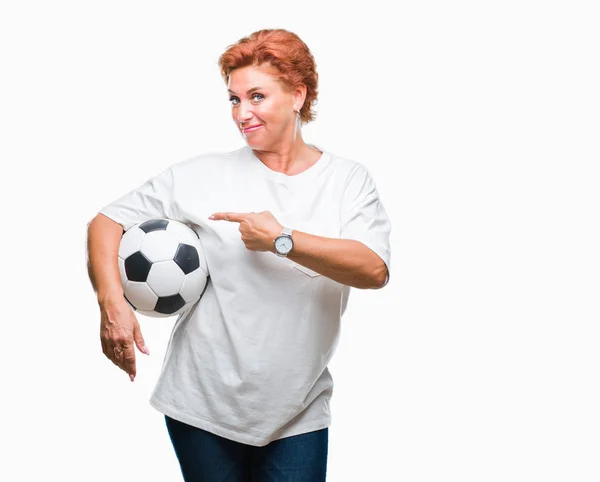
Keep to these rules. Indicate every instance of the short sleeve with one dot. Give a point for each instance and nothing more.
(363, 217)
(153, 199)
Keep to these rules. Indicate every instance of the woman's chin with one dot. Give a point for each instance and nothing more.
(253, 143)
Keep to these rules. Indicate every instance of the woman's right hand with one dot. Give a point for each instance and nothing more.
(119, 330)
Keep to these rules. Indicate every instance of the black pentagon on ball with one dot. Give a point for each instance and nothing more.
(187, 258)
(154, 225)
(137, 267)
(168, 305)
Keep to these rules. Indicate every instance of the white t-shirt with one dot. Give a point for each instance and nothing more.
(248, 362)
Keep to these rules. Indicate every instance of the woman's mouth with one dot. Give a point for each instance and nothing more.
(251, 129)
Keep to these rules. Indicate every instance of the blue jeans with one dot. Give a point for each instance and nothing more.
(206, 457)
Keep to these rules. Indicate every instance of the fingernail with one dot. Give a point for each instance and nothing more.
(211, 217)
(146, 351)
(131, 377)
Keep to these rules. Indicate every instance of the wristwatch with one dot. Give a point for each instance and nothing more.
(284, 242)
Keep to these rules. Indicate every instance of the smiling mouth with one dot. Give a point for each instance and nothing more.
(251, 129)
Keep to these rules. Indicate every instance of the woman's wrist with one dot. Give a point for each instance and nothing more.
(111, 298)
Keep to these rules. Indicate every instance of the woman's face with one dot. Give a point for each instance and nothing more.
(262, 110)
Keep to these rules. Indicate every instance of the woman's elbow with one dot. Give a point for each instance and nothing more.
(380, 278)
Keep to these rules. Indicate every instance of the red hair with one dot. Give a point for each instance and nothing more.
(285, 52)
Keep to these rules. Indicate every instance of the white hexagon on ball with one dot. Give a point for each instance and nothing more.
(159, 246)
(193, 285)
(165, 278)
(151, 313)
(140, 295)
(182, 232)
(131, 242)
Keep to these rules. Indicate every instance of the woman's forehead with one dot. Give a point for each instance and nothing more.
(245, 78)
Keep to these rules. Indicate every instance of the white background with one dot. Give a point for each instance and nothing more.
(479, 121)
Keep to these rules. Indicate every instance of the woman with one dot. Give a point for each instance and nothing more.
(287, 229)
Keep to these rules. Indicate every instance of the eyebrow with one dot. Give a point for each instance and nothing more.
(248, 92)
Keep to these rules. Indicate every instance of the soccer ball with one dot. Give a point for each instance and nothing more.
(163, 267)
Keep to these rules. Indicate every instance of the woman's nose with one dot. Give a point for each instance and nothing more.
(244, 113)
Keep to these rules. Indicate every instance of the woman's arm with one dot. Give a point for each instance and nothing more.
(119, 328)
(104, 236)
(346, 261)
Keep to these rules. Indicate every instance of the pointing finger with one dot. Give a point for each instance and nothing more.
(225, 216)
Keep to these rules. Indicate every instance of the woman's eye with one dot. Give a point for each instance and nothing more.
(232, 98)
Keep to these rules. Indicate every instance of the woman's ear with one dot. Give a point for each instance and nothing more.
(299, 97)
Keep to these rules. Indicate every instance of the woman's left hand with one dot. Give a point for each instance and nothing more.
(259, 230)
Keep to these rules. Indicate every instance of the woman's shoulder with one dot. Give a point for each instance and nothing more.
(348, 167)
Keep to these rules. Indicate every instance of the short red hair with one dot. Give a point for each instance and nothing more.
(285, 52)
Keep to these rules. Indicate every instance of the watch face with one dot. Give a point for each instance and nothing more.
(283, 244)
